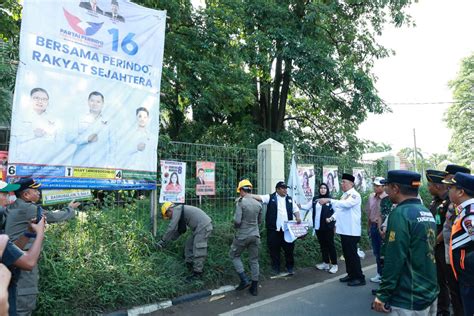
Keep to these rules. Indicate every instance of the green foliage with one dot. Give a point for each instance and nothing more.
(374, 147)
(8, 54)
(461, 114)
(10, 11)
(425, 195)
(238, 72)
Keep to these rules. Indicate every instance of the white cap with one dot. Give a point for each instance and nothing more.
(377, 180)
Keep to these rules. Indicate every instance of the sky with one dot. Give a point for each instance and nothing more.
(427, 57)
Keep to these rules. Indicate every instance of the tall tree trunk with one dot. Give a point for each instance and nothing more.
(285, 89)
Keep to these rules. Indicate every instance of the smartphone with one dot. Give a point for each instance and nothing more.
(39, 214)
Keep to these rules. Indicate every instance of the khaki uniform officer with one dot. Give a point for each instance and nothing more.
(248, 215)
(19, 215)
(182, 216)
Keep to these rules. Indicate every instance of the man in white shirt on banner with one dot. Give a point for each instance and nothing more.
(347, 213)
(138, 151)
(38, 130)
(92, 136)
(280, 209)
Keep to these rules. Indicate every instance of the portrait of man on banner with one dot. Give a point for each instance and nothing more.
(205, 178)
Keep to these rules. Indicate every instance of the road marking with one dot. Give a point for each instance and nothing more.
(285, 295)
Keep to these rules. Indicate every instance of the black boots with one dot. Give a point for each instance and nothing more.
(244, 282)
(254, 288)
(193, 277)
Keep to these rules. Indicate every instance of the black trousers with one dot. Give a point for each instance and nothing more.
(326, 242)
(467, 297)
(275, 242)
(349, 250)
(443, 296)
(453, 286)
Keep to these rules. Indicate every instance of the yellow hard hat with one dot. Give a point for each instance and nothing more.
(244, 183)
(165, 207)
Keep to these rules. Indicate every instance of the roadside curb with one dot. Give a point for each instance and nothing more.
(150, 308)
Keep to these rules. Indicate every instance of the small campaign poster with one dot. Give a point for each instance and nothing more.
(51, 197)
(173, 180)
(307, 180)
(3, 163)
(331, 179)
(205, 178)
(360, 182)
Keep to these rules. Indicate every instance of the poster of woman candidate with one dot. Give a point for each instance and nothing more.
(173, 181)
(86, 104)
(307, 180)
(331, 179)
(360, 182)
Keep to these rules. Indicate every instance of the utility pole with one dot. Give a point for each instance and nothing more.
(415, 151)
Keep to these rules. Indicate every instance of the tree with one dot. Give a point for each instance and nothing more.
(256, 69)
(460, 115)
(374, 147)
(309, 62)
(10, 11)
(9, 35)
(409, 154)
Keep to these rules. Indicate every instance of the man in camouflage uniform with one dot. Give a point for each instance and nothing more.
(248, 215)
(19, 215)
(409, 274)
(182, 216)
(438, 208)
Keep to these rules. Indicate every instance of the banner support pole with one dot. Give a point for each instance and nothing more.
(153, 211)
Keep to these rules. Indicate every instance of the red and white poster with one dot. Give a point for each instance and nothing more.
(205, 178)
(173, 181)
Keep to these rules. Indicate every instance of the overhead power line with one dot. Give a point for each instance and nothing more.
(427, 103)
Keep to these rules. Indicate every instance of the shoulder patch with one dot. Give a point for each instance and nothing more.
(354, 196)
(391, 236)
(468, 225)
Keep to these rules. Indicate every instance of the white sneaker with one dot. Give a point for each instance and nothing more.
(376, 279)
(333, 269)
(322, 266)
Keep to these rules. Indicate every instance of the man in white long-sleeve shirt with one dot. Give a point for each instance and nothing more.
(347, 212)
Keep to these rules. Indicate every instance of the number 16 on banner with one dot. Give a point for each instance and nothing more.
(128, 46)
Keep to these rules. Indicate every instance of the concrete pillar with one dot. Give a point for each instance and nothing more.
(271, 165)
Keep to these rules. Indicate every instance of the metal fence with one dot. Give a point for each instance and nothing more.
(231, 165)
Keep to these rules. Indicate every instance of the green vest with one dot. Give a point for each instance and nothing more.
(409, 278)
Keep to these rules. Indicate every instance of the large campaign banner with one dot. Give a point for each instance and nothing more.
(86, 104)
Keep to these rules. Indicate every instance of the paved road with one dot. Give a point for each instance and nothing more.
(309, 292)
(330, 297)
